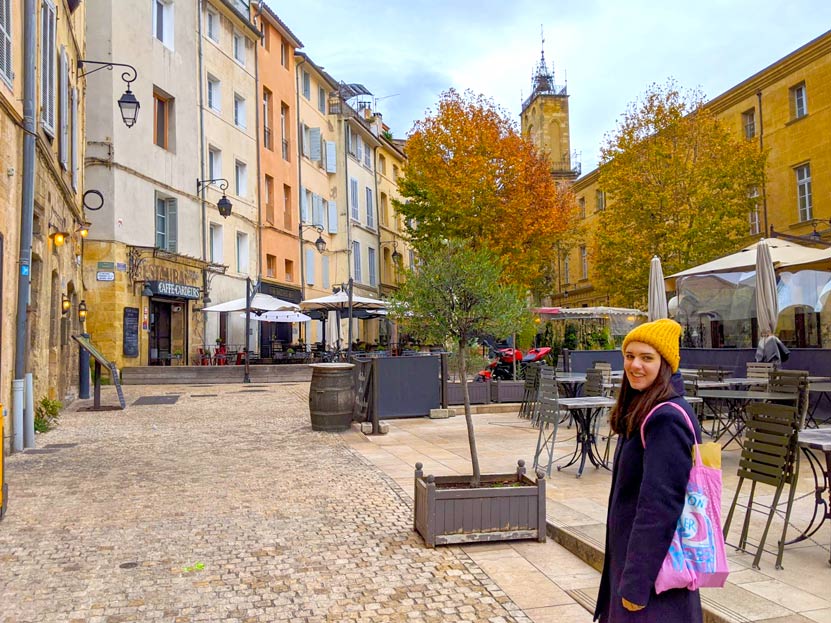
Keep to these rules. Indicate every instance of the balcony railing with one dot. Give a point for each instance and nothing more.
(565, 167)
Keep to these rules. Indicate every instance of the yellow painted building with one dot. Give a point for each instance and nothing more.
(787, 108)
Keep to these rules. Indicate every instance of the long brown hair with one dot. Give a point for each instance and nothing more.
(633, 406)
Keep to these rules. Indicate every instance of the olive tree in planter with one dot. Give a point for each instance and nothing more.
(455, 293)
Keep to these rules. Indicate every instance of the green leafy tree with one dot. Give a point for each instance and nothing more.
(471, 175)
(456, 293)
(680, 186)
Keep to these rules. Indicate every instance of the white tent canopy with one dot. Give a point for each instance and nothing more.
(259, 303)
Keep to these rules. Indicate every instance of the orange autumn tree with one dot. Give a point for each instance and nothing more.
(471, 175)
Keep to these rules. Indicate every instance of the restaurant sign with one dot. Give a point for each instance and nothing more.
(176, 290)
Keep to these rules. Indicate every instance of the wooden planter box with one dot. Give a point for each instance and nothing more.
(507, 391)
(480, 393)
(488, 513)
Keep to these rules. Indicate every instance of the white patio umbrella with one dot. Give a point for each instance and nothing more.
(767, 305)
(342, 301)
(657, 308)
(281, 316)
(259, 303)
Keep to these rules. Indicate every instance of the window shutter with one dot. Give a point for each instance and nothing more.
(6, 41)
(63, 111)
(160, 223)
(304, 210)
(331, 157)
(74, 138)
(318, 211)
(310, 266)
(333, 218)
(324, 271)
(172, 225)
(356, 252)
(47, 69)
(314, 148)
(358, 147)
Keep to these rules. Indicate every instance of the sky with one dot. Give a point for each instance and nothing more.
(608, 52)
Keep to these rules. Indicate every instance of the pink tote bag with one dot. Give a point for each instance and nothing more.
(696, 556)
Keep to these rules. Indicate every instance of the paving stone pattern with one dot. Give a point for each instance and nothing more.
(230, 509)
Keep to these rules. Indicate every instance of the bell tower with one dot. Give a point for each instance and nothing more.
(544, 119)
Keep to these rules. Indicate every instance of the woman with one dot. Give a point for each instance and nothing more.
(648, 484)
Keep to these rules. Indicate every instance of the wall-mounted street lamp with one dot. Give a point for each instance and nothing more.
(127, 103)
(397, 258)
(83, 230)
(59, 237)
(82, 312)
(224, 205)
(320, 243)
(65, 304)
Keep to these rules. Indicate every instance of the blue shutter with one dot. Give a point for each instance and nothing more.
(304, 210)
(317, 214)
(6, 42)
(333, 217)
(172, 226)
(356, 258)
(314, 148)
(310, 266)
(324, 270)
(331, 157)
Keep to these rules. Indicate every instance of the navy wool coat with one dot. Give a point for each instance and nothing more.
(645, 502)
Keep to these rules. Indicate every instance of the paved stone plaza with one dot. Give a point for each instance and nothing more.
(224, 506)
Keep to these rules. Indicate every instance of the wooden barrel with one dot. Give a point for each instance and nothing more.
(331, 396)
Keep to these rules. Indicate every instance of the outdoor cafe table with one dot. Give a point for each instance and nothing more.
(585, 411)
(824, 391)
(817, 439)
(737, 400)
(571, 382)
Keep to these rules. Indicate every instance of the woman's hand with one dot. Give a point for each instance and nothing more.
(630, 606)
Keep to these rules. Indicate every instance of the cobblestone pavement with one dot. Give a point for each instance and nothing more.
(225, 506)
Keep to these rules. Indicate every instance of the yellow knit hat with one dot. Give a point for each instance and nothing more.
(663, 335)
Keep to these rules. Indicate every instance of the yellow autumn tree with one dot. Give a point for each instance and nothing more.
(471, 175)
(679, 185)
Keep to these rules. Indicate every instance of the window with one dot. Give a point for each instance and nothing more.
(268, 141)
(163, 21)
(799, 101)
(6, 72)
(321, 99)
(370, 258)
(284, 54)
(289, 268)
(161, 119)
(305, 141)
(270, 266)
(353, 196)
(803, 193)
(383, 208)
(242, 252)
(284, 129)
(356, 258)
(395, 172)
(600, 198)
(307, 85)
(753, 194)
(239, 48)
(358, 147)
(214, 163)
(581, 204)
(368, 156)
(166, 223)
(239, 111)
(351, 141)
(212, 25)
(216, 243)
(566, 269)
(411, 258)
(287, 220)
(266, 41)
(269, 199)
(584, 262)
(749, 123)
(241, 178)
(382, 165)
(370, 209)
(47, 67)
(214, 94)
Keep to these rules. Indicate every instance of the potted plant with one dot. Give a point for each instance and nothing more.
(456, 293)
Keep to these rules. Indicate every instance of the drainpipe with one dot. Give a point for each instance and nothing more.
(257, 133)
(297, 76)
(26, 216)
(764, 177)
(375, 198)
(202, 176)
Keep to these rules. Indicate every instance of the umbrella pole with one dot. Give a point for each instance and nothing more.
(247, 378)
(349, 348)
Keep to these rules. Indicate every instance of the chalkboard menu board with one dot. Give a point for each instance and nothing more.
(131, 331)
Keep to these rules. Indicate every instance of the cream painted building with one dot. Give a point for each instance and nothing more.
(229, 110)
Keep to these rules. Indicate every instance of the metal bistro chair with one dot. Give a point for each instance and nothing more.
(549, 418)
(769, 457)
(598, 383)
(530, 393)
(794, 382)
(759, 371)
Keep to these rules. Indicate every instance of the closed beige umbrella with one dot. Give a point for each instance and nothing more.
(657, 308)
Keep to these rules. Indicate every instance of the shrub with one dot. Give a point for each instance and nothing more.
(47, 413)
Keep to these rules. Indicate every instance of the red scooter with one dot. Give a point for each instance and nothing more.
(502, 365)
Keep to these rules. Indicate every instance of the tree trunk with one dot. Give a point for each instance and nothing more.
(471, 436)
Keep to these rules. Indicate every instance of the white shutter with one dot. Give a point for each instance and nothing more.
(318, 211)
(6, 42)
(331, 157)
(310, 266)
(314, 148)
(63, 111)
(172, 225)
(333, 218)
(356, 257)
(358, 147)
(74, 138)
(47, 67)
(304, 209)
